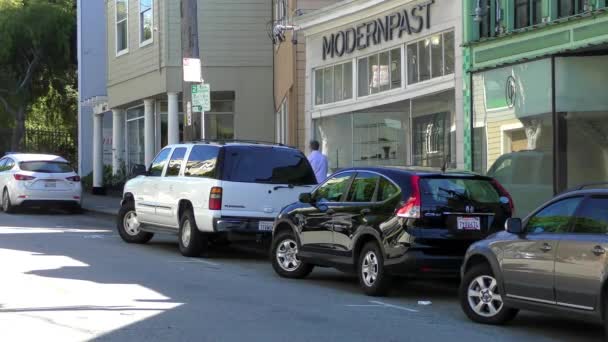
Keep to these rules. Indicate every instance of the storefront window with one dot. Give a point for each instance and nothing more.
(432, 130)
(431, 57)
(381, 135)
(513, 131)
(335, 136)
(334, 83)
(582, 107)
(379, 72)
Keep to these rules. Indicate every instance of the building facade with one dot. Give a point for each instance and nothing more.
(384, 82)
(537, 116)
(289, 71)
(144, 74)
(91, 80)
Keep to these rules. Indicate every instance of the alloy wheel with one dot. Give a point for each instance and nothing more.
(287, 255)
(483, 296)
(186, 233)
(131, 223)
(369, 268)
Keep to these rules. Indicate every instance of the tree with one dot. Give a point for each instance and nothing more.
(35, 36)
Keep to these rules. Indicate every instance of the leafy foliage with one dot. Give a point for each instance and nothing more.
(37, 73)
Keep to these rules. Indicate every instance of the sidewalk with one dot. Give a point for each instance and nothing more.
(108, 205)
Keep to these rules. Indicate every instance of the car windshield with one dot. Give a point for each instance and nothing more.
(441, 190)
(46, 167)
(253, 164)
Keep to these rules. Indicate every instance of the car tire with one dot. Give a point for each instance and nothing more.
(284, 257)
(7, 206)
(192, 243)
(480, 297)
(128, 227)
(373, 277)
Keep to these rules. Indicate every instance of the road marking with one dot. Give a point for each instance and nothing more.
(195, 261)
(377, 304)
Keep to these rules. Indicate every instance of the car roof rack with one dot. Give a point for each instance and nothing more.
(228, 141)
(592, 185)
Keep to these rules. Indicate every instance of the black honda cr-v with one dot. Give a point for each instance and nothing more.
(385, 222)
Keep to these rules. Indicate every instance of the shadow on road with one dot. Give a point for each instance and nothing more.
(215, 301)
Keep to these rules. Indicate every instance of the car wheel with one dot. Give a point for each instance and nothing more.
(129, 227)
(192, 242)
(7, 207)
(373, 277)
(285, 257)
(480, 297)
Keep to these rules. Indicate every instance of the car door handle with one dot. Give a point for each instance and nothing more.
(546, 248)
(598, 250)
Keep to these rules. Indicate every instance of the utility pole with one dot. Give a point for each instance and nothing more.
(189, 16)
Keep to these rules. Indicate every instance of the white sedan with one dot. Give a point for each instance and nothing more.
(38, 180)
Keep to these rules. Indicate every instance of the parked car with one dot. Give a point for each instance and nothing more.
(206, 191)
(38, 180)
(384, 222)
(527, 175)
(554, 261)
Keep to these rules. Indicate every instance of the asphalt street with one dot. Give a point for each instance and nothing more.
(71, 278)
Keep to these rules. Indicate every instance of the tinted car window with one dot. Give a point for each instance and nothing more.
(363, 188)
(334, 188)
(259, 164)
(386, 190)
(175, 164)
(9, 164)
(46, 167)
(592, 218)
(442, 190)
(553, 218)
(2, 162)
(158, 164)
(202, 162)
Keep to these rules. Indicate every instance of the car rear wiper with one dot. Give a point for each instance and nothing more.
(456, 194)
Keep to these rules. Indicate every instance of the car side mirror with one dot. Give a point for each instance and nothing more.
(139, 170)
(514, 226)
(305, 197)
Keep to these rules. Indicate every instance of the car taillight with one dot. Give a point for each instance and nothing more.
(411, 208)
(23, 177)
(503, 192)
(74, 179)
(215, 198)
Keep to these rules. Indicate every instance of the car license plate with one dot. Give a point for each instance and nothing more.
(265, 226)
(468, 223)
(50, 184)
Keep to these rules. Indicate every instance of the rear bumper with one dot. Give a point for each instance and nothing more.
(416, 262)
(20, 195)
(242, 225)
(49, 203)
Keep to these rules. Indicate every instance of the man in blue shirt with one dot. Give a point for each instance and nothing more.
(318, 161)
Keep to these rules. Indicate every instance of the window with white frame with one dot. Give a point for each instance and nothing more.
(122, 26)
(146, 18)
(281, 123)
(379, 72)
(430, 57)
(334, 83)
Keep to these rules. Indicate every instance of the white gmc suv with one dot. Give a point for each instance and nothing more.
(204, 191)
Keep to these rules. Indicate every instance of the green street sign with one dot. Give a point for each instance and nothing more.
(201, 98)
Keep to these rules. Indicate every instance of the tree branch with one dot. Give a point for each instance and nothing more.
(30, 72)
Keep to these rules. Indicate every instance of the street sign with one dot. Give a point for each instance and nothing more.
(192, 70)
(201, 98)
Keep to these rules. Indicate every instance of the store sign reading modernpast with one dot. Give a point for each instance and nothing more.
(410, 20)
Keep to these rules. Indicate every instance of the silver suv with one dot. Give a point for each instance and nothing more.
(553, 261)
